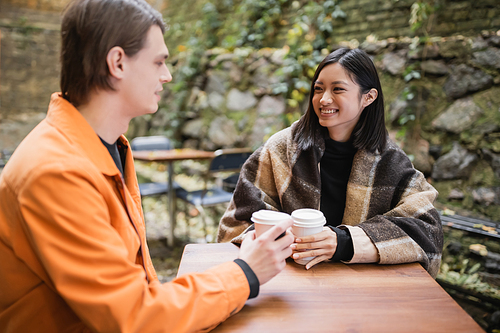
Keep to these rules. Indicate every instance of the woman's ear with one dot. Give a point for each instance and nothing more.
(115, 59)
(369, 97)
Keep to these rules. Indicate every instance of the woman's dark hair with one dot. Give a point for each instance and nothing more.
(89, 29)
(370, 132)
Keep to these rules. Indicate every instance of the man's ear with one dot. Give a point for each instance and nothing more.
(115, 60)
(369, 97)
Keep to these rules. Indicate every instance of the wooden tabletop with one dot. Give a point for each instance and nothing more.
(334, 297)
(172, 155)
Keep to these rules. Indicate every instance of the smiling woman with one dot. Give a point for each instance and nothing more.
(351, 80)
(330, 97)
(339, 159)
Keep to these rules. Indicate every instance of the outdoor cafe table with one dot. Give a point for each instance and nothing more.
(171, 156)
(335, 297)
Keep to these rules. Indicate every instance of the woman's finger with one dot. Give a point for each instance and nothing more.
(316, 260)
(313, 238)
(328, 244)
(310, 253)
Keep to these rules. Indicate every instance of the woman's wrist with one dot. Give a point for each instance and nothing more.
(345, 248)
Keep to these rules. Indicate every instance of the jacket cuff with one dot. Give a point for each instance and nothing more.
(253, 281)
(364, 249)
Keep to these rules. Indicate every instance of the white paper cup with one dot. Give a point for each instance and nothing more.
(301, 231)
(307, 222)
(308, 216)
(264, 220)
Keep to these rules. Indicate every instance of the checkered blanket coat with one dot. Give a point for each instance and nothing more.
(386, 197)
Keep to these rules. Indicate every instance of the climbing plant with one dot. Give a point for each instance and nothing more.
(303, 26)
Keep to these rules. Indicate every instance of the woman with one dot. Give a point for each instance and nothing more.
(339, 159)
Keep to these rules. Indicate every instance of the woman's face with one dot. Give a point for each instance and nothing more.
(337, 101)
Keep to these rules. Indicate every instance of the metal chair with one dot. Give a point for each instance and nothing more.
(225, 160)
(153, 143)
(229, 183)
(4, 157)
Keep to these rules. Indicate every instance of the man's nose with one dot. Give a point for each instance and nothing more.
(166, 76)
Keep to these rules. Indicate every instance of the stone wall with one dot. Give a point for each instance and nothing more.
(443, 109)
(58, 5)
(380, 18)
(29, 69)
(386, 19)
(443, 105)
(42, 5)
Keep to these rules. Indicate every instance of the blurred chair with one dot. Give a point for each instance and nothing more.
(153, 143)
(225, 160)
(4, 157)
(229, 183)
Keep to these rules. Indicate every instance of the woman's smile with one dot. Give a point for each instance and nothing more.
(328, 110)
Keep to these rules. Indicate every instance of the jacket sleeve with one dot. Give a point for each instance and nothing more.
(401, 219)
(71, 232)
(364, 249)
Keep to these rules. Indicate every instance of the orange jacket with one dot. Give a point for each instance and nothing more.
(73, 252)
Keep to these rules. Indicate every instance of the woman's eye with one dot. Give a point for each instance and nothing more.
(317, 89)
(338, 89)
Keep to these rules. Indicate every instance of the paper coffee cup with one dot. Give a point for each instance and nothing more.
(308, 216)
(264, 220)
(307, 222)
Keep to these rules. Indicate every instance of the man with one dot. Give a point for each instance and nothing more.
(73, 249)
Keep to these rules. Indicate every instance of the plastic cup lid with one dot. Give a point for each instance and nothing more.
(265, 216)
(309, 225)
(308, 216)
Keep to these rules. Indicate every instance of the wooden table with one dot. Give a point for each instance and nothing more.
(171, 156)
(334, 297)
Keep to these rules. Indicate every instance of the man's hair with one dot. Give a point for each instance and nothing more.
(370, 132)
(89, 29)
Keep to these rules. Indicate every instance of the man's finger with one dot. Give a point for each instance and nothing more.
(278, 229)
(250, 235)
(285, 252)
(285, 241)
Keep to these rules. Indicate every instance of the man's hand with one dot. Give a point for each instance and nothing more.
(266, 255)
(321, 245)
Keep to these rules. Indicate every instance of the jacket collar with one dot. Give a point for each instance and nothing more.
(68, 120)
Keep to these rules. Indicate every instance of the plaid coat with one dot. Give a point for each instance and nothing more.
(386, 197)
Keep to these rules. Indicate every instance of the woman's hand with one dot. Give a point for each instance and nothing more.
(321, 245)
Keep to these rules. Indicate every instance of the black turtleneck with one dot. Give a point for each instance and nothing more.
(117, 152)
(335, 169)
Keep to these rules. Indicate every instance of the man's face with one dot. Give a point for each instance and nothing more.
(146, 72)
